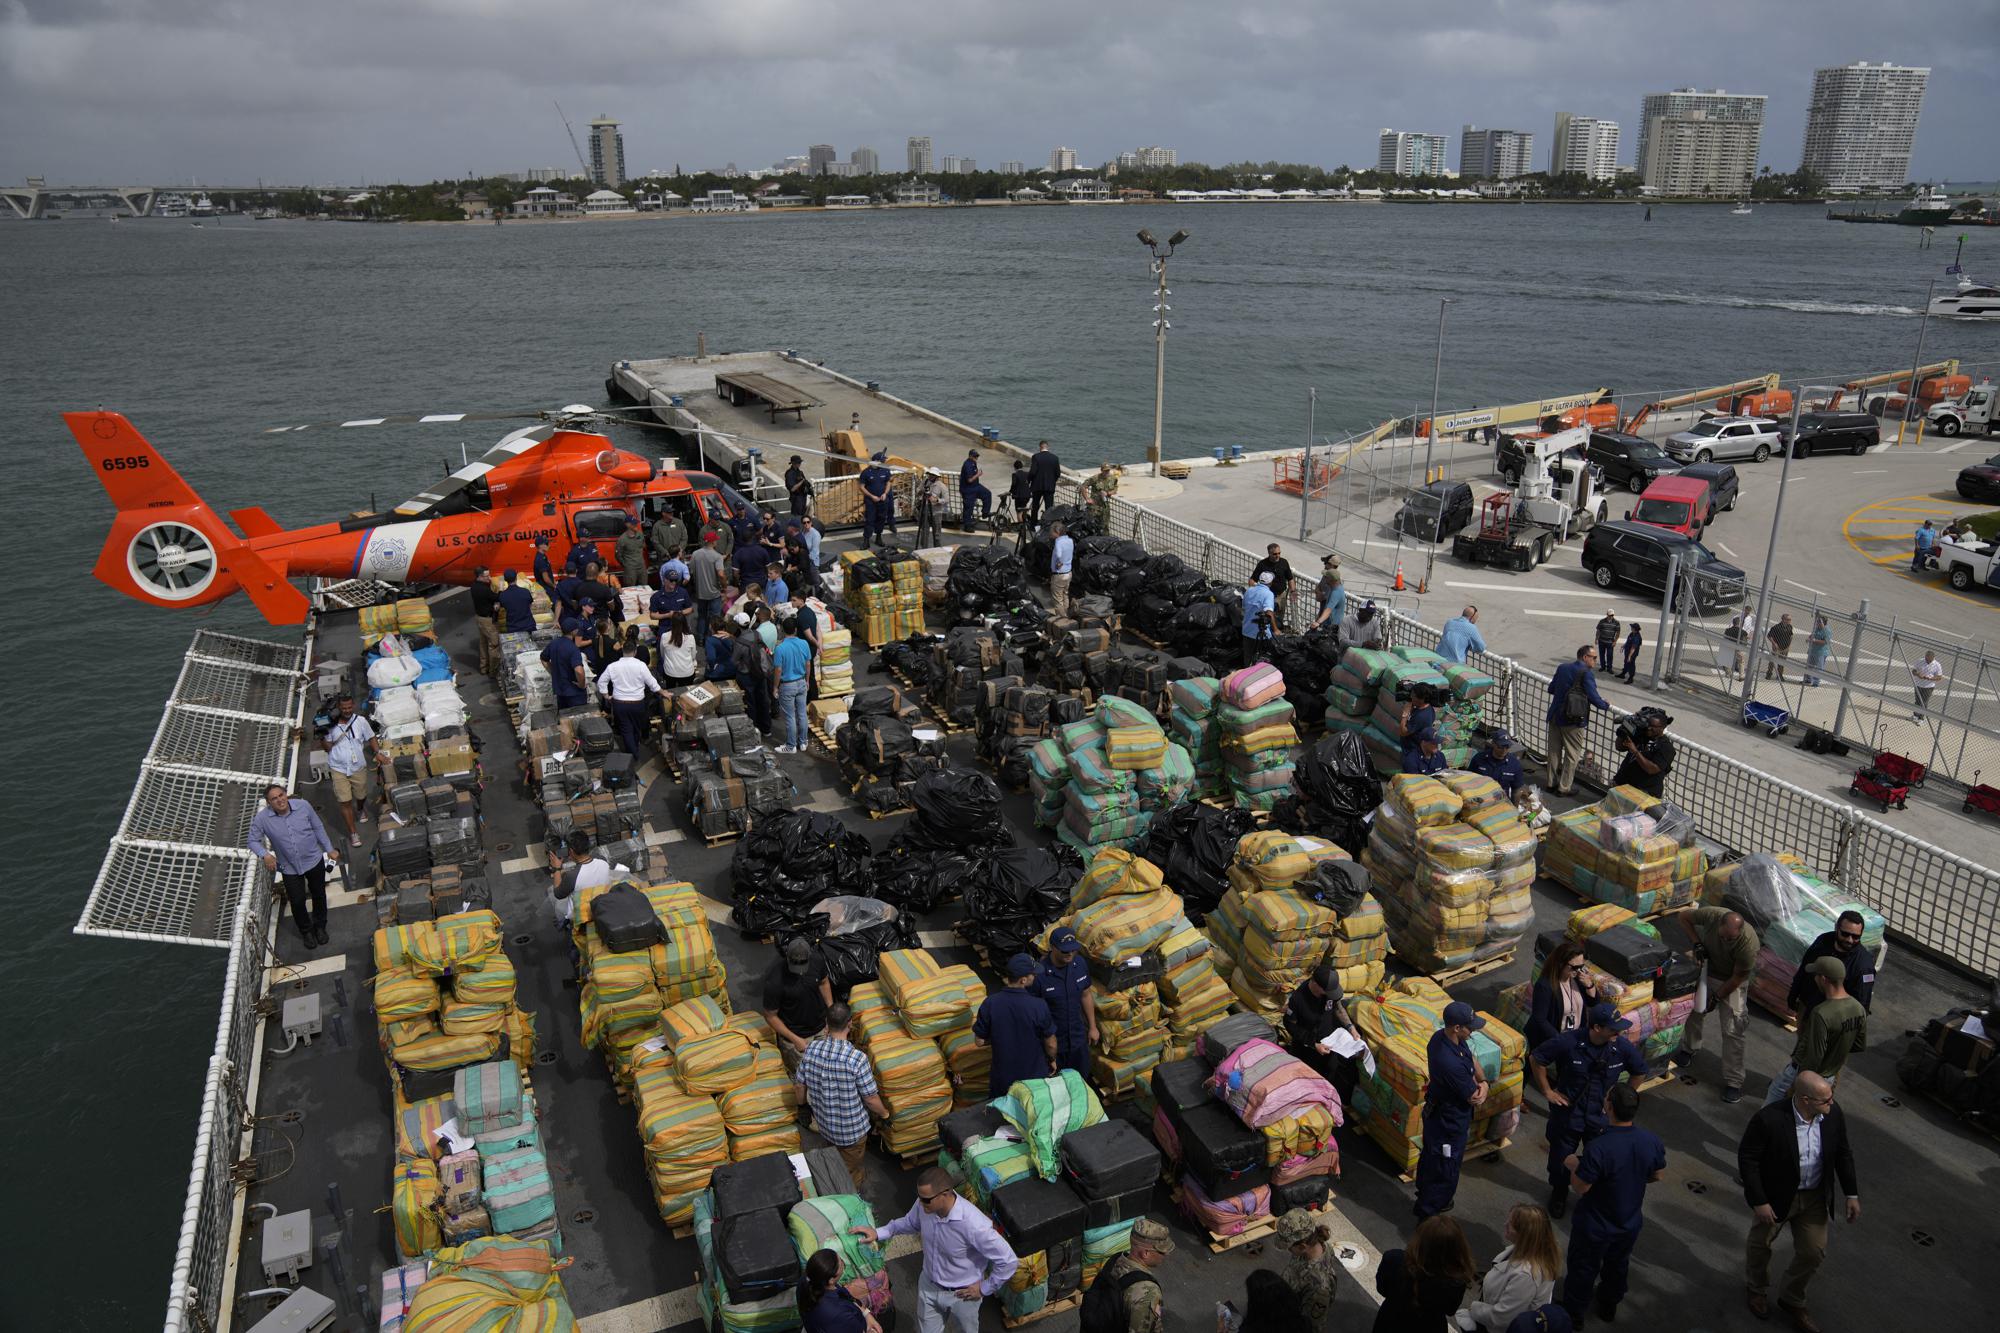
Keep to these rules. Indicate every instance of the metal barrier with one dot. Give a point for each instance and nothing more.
(1931, 898)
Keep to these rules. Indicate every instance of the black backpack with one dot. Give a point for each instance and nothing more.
(1104, 1304)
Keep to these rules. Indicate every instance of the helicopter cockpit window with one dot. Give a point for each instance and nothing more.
(600, 524)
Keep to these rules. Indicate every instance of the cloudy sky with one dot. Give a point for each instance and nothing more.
(234, 91)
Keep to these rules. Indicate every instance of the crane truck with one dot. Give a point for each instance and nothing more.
(1559, 494)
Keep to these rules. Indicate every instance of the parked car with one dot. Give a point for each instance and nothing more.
(1833, 433)
(1723, 484)
(1628, 461)
(1639, 553)
(1435, 512)
(1509, 460)
(1981, 481)
(1679, 504)
(1754, 438)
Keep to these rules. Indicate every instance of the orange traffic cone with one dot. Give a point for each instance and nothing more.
(1422, 586)
(1399, 576)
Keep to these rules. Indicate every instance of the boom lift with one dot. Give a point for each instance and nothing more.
(1731, 393)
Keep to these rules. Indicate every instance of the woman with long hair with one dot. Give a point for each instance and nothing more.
(1423, 1284)
(1561, 996)
(677, 652)
(827, 1306)
(1523, 1275)
(1314, 1271)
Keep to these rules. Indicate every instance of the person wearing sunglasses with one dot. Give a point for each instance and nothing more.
(1561, 995)
(965, 1259)
(1842, 942)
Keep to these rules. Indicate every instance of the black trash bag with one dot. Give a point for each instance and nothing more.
(789, 860)
(956, 810)
(850, 934)
(1131, 552)
(1165, 566)
(918, 878)
(1338, 886)
(992, 572)
(1131, 584)
(1182, 587)
(872, 570)
(1339, 774)
(1015, 894)
(1097, 543)
(1098, 574)
(1193, 845)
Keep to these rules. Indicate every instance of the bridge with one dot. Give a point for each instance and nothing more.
(32, 200)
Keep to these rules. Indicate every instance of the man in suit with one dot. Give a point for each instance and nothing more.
(1791, 1156)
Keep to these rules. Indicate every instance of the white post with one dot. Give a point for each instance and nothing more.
(1159, 357)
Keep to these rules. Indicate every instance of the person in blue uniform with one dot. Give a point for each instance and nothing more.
(545, 571)
(971, 490)
(1499, 762)
(1423, 754)
(672, 597)
(566, 595)
(517, 605)
(1419, 714)
(1063, 980)
(878, 506)
(1456, 1086)
(582, 554)
(564, 659)
(1014, 1021)
(1574, 1070)
(1610, 1177)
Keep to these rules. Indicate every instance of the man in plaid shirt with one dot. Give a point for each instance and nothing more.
(836, 1081)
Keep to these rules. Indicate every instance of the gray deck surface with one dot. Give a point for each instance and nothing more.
(1920, 1256)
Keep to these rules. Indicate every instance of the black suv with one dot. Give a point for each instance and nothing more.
(1722, 483)
(1435, 512)
(1628, 461)
(1832, 432)
(1638, 554)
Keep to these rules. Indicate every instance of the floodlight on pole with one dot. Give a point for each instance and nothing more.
(1160, 255)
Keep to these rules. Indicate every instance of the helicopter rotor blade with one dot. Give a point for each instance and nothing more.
(409, 419)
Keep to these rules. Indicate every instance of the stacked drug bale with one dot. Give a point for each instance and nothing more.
(1191, 724)
(1294, 1109)
(1630, 849)
(1040, 1215)
(1111, 773)
(1454, 877)
(1122, 912)
(1258, 738)
(1222, 1164)
(1790, 906)
(1388, 1104)
(1271, 932)
(913, 1005)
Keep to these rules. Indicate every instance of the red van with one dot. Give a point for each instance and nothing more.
(1683, 504)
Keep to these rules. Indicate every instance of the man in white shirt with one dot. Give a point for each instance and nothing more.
(1926, 675)
(629, 683)
(1062, 556)
(585, 870)
(350, 753)
(1797, 1165)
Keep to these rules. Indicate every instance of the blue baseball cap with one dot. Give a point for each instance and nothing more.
(1063, 938)
(1020, 965)
(1606, 1016)
(1459, 1014)
(1501, 738)
(1427, 735)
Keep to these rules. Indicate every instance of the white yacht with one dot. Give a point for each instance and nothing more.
(1972, 300)
(1742, 209)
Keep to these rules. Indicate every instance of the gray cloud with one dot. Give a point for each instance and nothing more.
(120, 90)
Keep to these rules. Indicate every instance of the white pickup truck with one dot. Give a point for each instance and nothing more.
(1968, 563)
(1976, 411)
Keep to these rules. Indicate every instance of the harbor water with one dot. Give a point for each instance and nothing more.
(1034, 321)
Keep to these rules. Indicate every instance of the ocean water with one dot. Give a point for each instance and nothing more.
(1036, 321)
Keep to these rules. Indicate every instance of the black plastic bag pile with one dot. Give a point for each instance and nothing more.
(850, 934)
(874, 569)
(1193, 844)
(914, 657)
(1018, 719)
(1014, 894)
(919, 879)
(954, 824)
(1306, 661)
(1210, 627)
(1334, 786)
(984, 581)
(1077, 522)
(788, 861)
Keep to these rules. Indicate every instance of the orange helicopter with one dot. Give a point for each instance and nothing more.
(168, 548)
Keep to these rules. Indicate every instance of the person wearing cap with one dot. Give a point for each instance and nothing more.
(1314, 1012)
(668, 536)
(1424, 754)
(1128, 1280)
(1314, 1269)
(965, 1258)
(583, 552)
(1609, 1177)
(1371, 627)
(1585, 1063)
(971, 490)
(1014, 1021)
(1063, 982)
(1635, 643)
(1332, 597)
(930, 509)
(798, 486)
(545, 570)
(1460, 636)
(878, 506)
(797, 992)
(836, 1081)
(1499, 762)
(1830, 1031)
(1456, 1087)
(1280, 570)
(671, 599)
(1727, 946)
(1649, 756)
(1097, 492)
(630, 552)
(1607, 637)
(1842, 942)
(1259, 617)
(568, 672)
(517, 602)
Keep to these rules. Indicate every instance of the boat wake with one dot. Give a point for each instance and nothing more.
(1754, 303)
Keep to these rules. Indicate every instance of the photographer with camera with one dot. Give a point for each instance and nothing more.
(1649, 755)
(1260, 618)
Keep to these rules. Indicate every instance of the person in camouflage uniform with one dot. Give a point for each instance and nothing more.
(1314, 1269)
(1151, 1244)
(1098, 492)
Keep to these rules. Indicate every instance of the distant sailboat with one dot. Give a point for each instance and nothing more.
(1742, 209)
(1649, 212)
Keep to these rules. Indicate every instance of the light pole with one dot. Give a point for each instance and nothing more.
(1160, 254)
(1910, 398)
(1763, 628)
(1430, 437)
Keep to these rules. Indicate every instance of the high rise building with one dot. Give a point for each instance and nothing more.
(1700, 142)
(1862, 124)
(1586, 146)
(1495, 154)
(1144, 158)
(1062, 159)
(1409, 153)
(607, 154)
(818, 158)
(959, 166)
(1013, 168)
(920, 155)
(865, 162)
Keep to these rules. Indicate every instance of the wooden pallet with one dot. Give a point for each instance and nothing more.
(910, 1161)
(1659, 1080)
(922, 698)
(1453, 975)
(889, 814)
(1477, 1152)
(1260, 1230)
(719, 839)
(1063, 1306)
(825, 741)
(1784, 1016)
